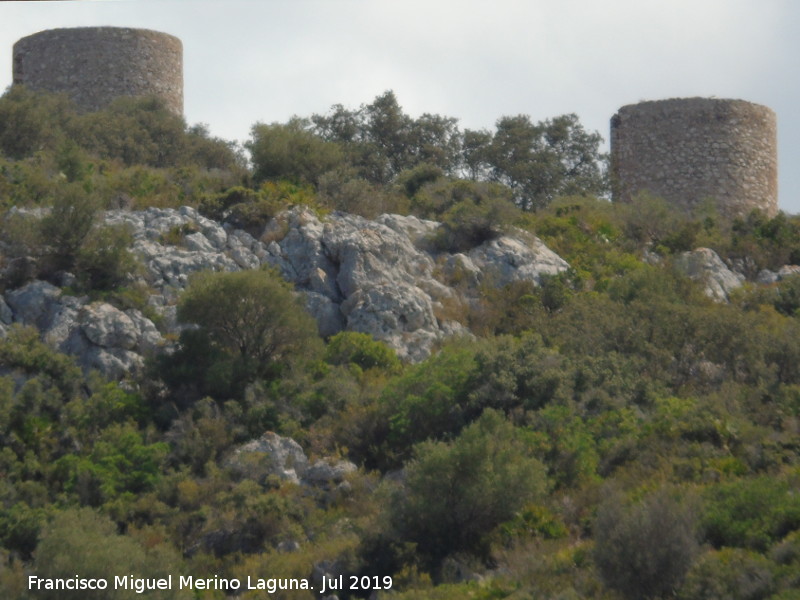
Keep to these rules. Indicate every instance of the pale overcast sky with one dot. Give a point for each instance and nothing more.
(249, 60)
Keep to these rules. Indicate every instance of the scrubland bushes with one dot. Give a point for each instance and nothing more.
(609, 433)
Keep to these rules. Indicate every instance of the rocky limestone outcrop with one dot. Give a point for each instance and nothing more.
(373, 276)
(100, 335)
(765, 276)
(379, 277)
(705, 266)
(282, 457)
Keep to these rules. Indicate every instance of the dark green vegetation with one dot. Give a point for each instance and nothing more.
(610, 434)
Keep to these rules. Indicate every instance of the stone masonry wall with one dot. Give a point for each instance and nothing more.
(95, 65)
(690, 150)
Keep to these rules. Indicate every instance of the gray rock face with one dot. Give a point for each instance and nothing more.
(327, 471)
(271, 454)
(382, 278)
(375, 277)
(34, 304)
(275, 455)
(765, 276)
(705, 265)
(519, 258)
(378, 277)
(108, 327)
(101, 336)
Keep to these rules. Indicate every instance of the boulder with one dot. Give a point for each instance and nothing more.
(35, 303)
(108, 327)
(788, 270)
(523, 257)
(114, 363)
(328, 472)
(271, 454)
(767, 277)
(6, 314)
(99, 335)
(383, 276)
(705, 265)
(276, 455)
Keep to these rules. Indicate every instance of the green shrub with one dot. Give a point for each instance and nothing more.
(251, 326)
(516, 372)
(534, 520)
(750, 513)
(199, 436)
(81, 541)
(344, 190)
(66, 227)
(291, 152)
(351, 347)
(480, 216)
(22, 349)
(250, 209)
(644, 551)
(730, 573)
(786, 298)
(136, 131)
(412, 180)
(30, 121)
(425, 401)
(456, 493)
(435, 196)
(105, 261)
(120, 462)
(26, 183)
(766, 242)
(85, 416)
(20, 525)
(216, 206)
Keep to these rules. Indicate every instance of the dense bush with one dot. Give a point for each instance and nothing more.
(136, 131)
(644, 551)
(474, 213)
(354, 348)
(730, 573)
(29, 121)
(752, 513)
(291, 152)
(81, 541)
(249, 326)
(69, 237)
(456, 493)
(425, 401)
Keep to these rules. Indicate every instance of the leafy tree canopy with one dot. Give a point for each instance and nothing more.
(250, 321)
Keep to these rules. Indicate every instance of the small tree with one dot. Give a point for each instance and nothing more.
(291, 152)
(250, 320)
(457, 493)
(65, 228)
(644, 551)
(555, 157)
(80, 540)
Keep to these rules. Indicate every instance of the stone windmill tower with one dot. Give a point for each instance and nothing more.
(95, 65)
(692, 150)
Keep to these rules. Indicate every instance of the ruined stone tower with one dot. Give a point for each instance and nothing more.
(95, 65)
(690, 150)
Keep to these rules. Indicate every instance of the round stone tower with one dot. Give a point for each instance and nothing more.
(95, 65)
(691, 150)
